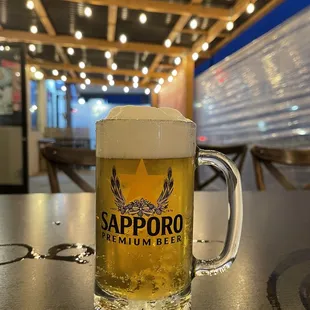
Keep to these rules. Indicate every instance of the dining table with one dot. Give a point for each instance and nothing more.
(47, 246)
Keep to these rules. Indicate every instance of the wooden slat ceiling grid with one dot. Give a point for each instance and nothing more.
(58, 19)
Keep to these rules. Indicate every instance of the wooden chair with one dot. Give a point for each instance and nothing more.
(267, 156)
(64, 158)
(238, 152)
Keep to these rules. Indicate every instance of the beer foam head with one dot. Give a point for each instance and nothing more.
(143, 132)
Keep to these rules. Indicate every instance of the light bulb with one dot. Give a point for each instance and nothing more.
(104, 88)
(143, 18)
(230, 26)
(32, 48)
(135, 85)
(177, 61)
(55, 72)
(174, 72)
(145, 70)
(193, 23)
(33, 29)
(17, 74)
(87, 81)
(111, 83)
(64, 88)
(78, 35)
(110, 77)
(63, 78)
(7, 48)
(1, 48)
(83, 86)
(38, 75)
(82, 64)
(33, 69)
(161, 81)
(147, 91)
(123, 38)
(83, 75)
(114, 66)
(195, 56)
(157, 88)
(88, 11)
(126, 89)
(170, 78)
(107, 55)
(168, 43)
(81, 101)
(135, 79)
(70, 51)
(205, 46)
(250, 8)
(30, 5)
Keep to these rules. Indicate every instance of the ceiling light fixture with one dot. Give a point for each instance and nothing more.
(230, 26)
(111, 83)
(1, 48)
(107, 55)
(161, 81)
(114, 66)
(87, 81)
(193, 23)
(142, 18)
(33, 29)
(174, 72)
(88, 11)
(177, 61)
(38, 75)
(135, 79)
(147, 91)
(168, 43)
(30, 5)
(64, 88)
(145, 70)
(205, 46)
(32, 48)
(157, 89)
(123, 38)
(110, 77)
(70, 51)
(81, 101)
(135, 85)
(126, 89)
(7, 48)
(33, 69)
(170, 78)
(195, 56)
(83, 75)
(250, 8)
(78, 35)
(63, 78)
(104, 88)
(55, 72)
(83, 86)
(82, 64)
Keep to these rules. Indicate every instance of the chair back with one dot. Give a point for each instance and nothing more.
(267, 156)
(238, 153)
(64, 158)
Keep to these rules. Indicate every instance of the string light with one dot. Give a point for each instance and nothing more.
(110, 77)
(87, 81)
(63, 78)
(174, 72)
(33, 29)
(250, 8)
(168, 43)
(143, 18)
(161, 81)
(64, 88)
(145, 70)
(135, 79)
(230, 26)
(126, 89)
(107, 55)
(55, 72)
(135, 85)
(157, 89)
(1, 48)
(205, 46)
(114, 66)
(111, 83)
(83, 75)
(104, 88)
(83, 86)
(82, 64)
(193, 23)
(195, 56)
(123, 38)
(170, 78)
(7, 48)
(147, 91)
(32, 48)
(30, 5)
(70, 51)
(33, 69)
(38, 75)
(88, 11)
(81, 101)
(177, 61)
(78, 35)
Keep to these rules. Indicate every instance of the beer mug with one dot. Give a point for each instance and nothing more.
(146, 159)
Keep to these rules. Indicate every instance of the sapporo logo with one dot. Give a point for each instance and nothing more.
(140, 221)
(143, 206)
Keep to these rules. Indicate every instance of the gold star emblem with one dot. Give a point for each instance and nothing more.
(141, 184)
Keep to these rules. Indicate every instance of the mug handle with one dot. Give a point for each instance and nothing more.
(226, 258)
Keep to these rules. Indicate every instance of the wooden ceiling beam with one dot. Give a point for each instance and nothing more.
(165, 7)
(41, 12)
(90, 69)
(112, 20)
(89, 43)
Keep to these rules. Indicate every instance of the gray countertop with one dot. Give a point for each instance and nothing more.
(272, 270)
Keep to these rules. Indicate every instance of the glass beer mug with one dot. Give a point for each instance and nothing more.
(146, 159)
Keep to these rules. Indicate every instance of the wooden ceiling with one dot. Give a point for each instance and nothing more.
(58, 20)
